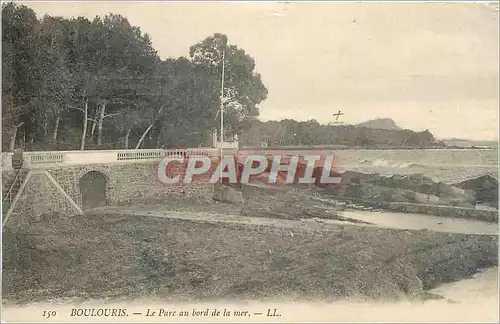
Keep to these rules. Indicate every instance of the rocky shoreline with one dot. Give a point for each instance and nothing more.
(475, 198)
(417, 188)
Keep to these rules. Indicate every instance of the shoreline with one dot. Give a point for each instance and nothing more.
(148, 229)
(479, 285)
(333, 147)
(300, 148)
(467, 300)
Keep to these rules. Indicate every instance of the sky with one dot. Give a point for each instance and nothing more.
(425, 65)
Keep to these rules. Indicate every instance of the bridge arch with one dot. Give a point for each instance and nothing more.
(93, 189)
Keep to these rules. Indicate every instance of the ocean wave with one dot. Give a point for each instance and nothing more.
(383, 163)
(393, 164)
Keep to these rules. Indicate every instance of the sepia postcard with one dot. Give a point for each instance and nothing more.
(239, 162)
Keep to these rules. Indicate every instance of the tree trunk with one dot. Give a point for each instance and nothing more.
(94, 124)
(143, 136)
(99, 125)
(12, 142)
(84, 131)
(147, 130)
(56, 128)
(45, 125)
(158, 139)
(127, 137)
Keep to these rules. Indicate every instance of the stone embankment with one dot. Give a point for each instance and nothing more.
(420, 194)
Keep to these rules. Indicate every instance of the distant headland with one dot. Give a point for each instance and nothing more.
(381, 133)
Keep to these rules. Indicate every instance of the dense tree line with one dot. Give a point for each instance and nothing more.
(72, 83)
(291, 132)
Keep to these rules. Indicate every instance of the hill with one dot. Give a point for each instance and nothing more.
(459, 142)
(291, 132)
(380, 123)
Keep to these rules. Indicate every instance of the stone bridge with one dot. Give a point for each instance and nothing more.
(72, 181)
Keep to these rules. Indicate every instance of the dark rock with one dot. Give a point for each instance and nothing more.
(414, 182)
(485, 189)
(228, 194)
(415, 188)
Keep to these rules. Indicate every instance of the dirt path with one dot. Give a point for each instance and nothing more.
(356, 218)
(219, 218)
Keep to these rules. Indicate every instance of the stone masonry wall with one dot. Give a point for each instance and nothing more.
(39, 197)
(125, 184)
(7, 178)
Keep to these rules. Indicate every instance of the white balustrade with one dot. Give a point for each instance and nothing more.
(33, 160)
(227, 145)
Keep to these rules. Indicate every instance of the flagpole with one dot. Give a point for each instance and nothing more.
(222, 106)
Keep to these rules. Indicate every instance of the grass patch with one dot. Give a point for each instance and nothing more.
(114, 256)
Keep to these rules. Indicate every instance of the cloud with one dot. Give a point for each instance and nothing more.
(361, 57)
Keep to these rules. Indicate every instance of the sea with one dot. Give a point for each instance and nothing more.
(441, 165)
(445, 165)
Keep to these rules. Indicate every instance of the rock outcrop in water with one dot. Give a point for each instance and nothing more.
(485, 189)
(415, 188)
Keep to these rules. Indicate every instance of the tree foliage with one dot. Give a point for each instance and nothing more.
(75, 83)
(243, 87)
